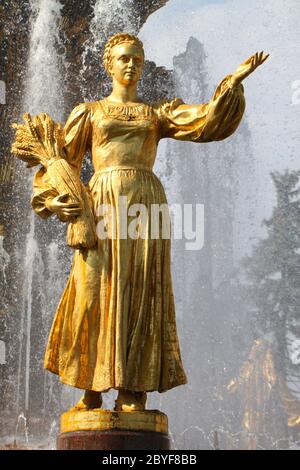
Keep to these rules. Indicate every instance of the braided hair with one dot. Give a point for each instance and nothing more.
(119, 38)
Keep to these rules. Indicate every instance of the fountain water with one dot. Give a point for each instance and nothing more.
(2, 352)
(43, 92)
(21, 420)
(4, 259)
(114, 15)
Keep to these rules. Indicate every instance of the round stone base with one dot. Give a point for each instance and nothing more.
(113, 440)
(113, 430)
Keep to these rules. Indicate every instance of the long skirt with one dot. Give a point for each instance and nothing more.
(115, 324)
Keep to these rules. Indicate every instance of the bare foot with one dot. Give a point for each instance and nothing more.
(89, 401)
(130, 401)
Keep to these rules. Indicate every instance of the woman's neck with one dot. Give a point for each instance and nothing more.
(122, 94)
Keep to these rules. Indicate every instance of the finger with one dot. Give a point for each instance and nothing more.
(253, 56)
(248, 61)
(265, 58)
(258, 58)
(261, 54)
(262, 58)
(69, 204)
(71, 211)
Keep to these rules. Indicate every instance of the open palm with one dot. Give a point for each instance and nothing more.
(247, 67)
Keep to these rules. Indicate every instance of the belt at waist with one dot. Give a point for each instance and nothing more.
(123, 167)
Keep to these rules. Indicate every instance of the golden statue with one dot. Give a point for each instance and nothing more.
(269, 407)
(115, 324)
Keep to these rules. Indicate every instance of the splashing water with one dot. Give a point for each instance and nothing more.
(43, 93)
(33, 267)
(44, 87)
(52, 435)
(4, 259)
(21, 420)
(109, 17)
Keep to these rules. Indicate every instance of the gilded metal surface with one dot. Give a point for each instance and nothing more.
(104, 420)
(264, 395)
(2, 231)
(291, 404)
(7, 171)
(40, 141)
(255, 384)
(115, 324)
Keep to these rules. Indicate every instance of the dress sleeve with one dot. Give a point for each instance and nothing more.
(42, 191)
(77, 134)
(208, 122)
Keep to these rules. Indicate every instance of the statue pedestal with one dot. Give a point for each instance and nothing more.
(100, 429)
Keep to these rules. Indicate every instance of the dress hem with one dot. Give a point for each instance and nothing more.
(103, 390)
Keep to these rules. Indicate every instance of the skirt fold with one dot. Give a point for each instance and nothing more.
(115, 324)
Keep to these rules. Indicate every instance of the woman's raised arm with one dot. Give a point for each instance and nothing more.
(215, 120)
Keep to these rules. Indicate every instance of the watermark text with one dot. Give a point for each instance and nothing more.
(154, 221)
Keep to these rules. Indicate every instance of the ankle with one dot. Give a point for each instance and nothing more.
(129, 400)
(92, 398)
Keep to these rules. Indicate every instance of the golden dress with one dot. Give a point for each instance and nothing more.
(115, 324)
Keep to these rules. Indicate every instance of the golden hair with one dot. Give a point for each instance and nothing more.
(119, 38)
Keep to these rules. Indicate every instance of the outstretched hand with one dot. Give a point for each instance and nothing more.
(245, 69)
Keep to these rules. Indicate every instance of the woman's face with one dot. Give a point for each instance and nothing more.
(126, 63)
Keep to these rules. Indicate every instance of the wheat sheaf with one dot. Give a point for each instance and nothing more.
(40, 141)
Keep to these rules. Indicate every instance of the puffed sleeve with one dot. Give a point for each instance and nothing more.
(42, 191)
(208, 122)
(77, 133)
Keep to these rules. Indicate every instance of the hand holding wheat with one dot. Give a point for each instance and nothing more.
(40, 141)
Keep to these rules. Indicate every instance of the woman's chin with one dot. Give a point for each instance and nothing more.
(129, 81)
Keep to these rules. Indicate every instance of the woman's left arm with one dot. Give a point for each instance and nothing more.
(212, 121)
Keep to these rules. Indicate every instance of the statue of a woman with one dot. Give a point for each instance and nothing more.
(115, 324)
